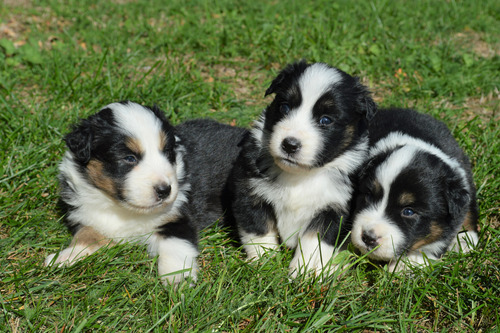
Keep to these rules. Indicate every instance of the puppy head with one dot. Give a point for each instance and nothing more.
(128, 152)
(318, 113)
(408, 200)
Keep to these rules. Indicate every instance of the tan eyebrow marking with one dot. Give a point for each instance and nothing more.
(134, 145)
(406, 199)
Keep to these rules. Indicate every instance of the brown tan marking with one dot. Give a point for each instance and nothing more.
(406, 199)
(134, 145)
(348, 136)
(89, 238)
(163, 141)
(435, 233)
(469, 224)
(377, 188)
(97, 175)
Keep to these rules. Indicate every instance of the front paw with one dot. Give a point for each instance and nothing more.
(68, 256)
(177, 261)
(257, 245)
(314, 256)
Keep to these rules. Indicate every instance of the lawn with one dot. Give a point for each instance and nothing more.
(63, 60)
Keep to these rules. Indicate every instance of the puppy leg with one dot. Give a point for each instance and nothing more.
(256, 227)
(177, 260)
(312, 254)
(85, 242)
(256, 245)
(176, 246)
(318, 245)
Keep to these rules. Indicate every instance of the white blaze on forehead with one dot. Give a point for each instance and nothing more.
(139, 123)
(393, 166)
(316, 80)
(396, 139)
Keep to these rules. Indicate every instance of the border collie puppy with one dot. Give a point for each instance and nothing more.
(415, 193)
(292, 181)
(128, 175)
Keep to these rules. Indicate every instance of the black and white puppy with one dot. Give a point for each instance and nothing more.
(415, 193)
(292, 181)
(128, 175)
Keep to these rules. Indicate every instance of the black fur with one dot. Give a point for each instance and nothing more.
(211, 150)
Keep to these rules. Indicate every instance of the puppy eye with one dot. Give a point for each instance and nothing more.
(325, 121)
(408, 212)
(285, 108)
(131, 159)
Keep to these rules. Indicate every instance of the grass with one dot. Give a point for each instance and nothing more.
(60, 61)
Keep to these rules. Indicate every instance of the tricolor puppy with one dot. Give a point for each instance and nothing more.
(293, 179)
(128, 175)
(415, 193)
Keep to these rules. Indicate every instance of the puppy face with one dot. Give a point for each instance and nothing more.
(127, 152)
(317, 114)
(409, 200)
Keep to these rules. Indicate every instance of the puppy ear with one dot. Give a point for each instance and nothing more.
(84, 135)
(369, 107)
(285, 75)
(79, 142)
(458, 199)
(366, 104)
(275, 84)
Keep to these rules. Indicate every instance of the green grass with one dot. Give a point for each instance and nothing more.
(62, 60)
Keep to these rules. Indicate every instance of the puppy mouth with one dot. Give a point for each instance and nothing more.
(290, 163)
(157, 205)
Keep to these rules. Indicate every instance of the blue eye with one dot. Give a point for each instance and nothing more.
(325, 120)
(131, 159)
(285, 108)
(407, 212)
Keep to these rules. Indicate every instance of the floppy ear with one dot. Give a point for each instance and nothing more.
(366, 104)
(284, 76)
(457, 198)
(369, 107)
(276, 82)
(79, 142)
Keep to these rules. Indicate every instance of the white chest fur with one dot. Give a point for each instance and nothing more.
(297, 198)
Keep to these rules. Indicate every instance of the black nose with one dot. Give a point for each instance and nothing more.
(163, 191)
(369, 238)
(290, 145)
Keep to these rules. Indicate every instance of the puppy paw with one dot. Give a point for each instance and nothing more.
(256, 246)
(177, 261)
(312, 255)
(68, 256)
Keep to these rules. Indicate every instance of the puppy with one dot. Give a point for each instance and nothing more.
(292, 182)
(415, 193)
(128, 175)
